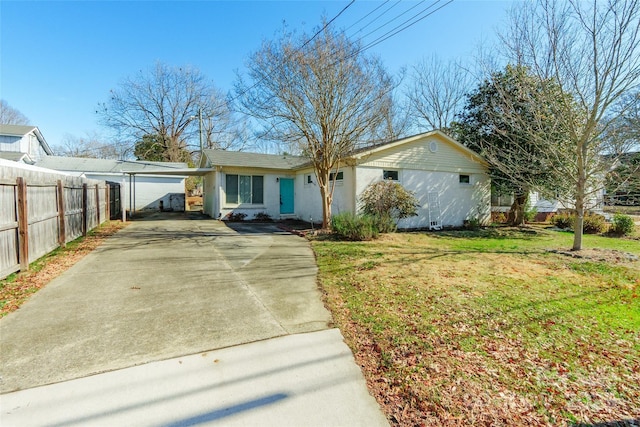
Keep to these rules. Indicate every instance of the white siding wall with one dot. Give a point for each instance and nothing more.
(14, 144)
(209, 205)
(271, 196)
(309, 200)
(27, 144)
(458, 202)
(149, 190)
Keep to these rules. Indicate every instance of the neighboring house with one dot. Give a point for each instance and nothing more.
(144, 185)
(546, 208)
(449, 180)
(23, 144)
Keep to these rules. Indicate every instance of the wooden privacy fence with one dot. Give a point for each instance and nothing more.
(41, 211)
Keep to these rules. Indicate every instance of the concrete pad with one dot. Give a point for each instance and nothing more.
(298, 380)
(161, 289)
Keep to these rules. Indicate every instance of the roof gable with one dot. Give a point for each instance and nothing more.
(431, 151)
(22, 130)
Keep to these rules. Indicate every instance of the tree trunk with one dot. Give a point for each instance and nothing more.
(579, 223)
(581, 187)
(516, 214)
(326, 206)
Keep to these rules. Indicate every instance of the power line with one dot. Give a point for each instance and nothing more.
(365, 16)
(296, 51)
(400, 28)
(393, 19)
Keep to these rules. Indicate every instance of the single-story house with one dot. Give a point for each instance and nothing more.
(449, 180)
(144, 185)
(24, 144)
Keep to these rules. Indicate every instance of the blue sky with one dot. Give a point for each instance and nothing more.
(59, 59)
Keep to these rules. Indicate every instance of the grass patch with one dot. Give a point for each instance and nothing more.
(16, 288)
(489, 328)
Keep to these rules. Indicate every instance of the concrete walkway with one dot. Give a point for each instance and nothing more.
(159, 312)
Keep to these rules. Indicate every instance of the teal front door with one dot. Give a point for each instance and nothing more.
(286, 196)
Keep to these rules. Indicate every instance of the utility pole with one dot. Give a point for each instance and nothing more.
(200, 124)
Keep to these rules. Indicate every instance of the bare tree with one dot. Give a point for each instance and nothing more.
(165, 103)
(437, 92)
(90, 146)
(322, 95)
(11, 116)
(592, 50)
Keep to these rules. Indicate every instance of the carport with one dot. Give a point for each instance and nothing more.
(163, 172)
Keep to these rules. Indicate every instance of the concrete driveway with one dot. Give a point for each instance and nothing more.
(151, 329)
(160, 289)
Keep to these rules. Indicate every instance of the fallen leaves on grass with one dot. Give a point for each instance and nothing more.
(493, 335)
(16, 289)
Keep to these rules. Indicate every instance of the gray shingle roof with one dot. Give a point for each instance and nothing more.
(14, 156)
(80, 164)
(254, 160)
(16, 130)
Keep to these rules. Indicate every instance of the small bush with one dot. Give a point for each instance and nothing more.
(236, 216)
(384, 223)
(262, 216)
(563, 221)
(354, 227)
(594, 224)
(472, 224)
(498, 217)
(530, 214)
(622, 225)
(388, 199)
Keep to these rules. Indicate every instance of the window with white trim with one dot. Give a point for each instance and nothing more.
(465, 179)
(244, 189)
(338, 177)
(390, 175)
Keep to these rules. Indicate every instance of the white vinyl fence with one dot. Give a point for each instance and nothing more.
(42, 210)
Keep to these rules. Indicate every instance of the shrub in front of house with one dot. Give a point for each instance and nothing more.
(354, 227)
(592, 223)
(563, 221)
(623, 225)
(262, 217)
(387, 202)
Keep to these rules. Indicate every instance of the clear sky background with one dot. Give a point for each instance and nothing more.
(59, 59)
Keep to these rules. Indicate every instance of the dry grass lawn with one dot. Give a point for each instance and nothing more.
(490, 328)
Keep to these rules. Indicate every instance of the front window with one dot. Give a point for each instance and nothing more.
(465, 179)
(244, 189)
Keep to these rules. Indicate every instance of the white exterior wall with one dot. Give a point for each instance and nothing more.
(271, 196)
(309, 200)
(149, 190)
(27, 144)
(432, 164)
(458, 202)
(210, 195)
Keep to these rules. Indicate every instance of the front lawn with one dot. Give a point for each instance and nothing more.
(489, 327)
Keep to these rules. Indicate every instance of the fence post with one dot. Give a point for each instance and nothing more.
(62, 229)
(85, 217)
(23, 224)
(98, 204)
(107, 202)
